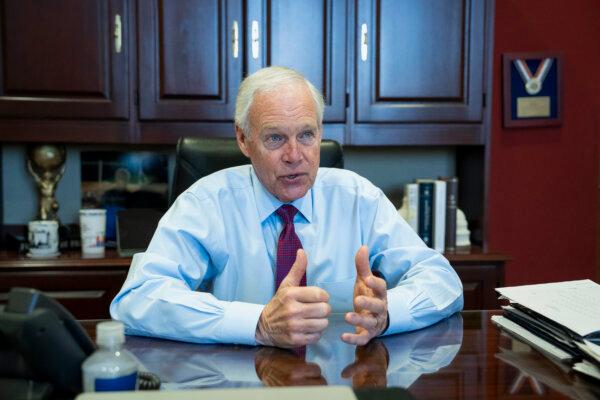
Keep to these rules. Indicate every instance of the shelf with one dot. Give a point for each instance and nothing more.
(475, 254)
(72, 258)
(10, 260)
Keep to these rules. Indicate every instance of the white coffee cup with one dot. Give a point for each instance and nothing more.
(43, 238)
(92, 223)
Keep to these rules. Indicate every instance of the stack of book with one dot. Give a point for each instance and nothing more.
(431, 211)
(561, 320)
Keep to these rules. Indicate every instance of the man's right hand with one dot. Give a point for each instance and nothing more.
(296, 315)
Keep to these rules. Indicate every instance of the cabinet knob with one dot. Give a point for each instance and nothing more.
(118, 33)
(255, 39)
(364, 47)
(235, 39)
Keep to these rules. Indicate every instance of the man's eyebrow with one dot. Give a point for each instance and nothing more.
(266, 128)
(271, 128)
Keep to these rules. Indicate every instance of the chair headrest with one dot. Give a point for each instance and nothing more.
(199, 157)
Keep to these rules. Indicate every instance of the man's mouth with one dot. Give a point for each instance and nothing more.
(291, 177)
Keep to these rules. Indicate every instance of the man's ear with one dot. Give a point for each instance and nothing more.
(241, 141)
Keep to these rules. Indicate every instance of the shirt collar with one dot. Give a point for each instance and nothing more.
(266, 203)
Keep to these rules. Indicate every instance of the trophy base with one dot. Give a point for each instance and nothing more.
(50, 255)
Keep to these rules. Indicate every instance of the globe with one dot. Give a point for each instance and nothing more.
(46, 163)
(47, 157)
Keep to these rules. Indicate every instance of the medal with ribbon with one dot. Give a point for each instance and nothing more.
(533, 83)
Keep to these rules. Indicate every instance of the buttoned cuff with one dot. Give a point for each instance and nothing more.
(399, 314)
(239, 323)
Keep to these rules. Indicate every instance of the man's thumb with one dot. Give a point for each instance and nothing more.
(297, 271)
(363, 269)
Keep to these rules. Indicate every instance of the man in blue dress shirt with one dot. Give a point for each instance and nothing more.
(208, 274)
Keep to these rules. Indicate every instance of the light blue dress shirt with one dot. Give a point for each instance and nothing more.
(210, 267)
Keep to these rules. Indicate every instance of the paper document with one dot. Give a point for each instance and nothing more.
(587, 368)
(531, 339)
(573, 304)
(591, 349)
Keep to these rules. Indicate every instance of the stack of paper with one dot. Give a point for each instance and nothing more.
(562, 320)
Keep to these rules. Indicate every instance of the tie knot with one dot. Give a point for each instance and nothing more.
(287, 212)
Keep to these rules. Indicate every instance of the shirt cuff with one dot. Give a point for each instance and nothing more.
(239, 323)
(400, 318)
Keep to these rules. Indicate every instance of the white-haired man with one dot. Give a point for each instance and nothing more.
(262, 253)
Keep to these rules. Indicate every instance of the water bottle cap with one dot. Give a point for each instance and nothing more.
(110, 333)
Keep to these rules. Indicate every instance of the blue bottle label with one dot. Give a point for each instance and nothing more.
(126, 382)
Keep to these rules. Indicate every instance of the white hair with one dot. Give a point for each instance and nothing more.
(265, 80)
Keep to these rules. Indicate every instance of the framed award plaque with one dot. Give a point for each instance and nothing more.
(532, 89)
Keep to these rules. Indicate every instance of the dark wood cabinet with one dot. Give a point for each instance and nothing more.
(64, 59)
(192, 53)
(393, 72)
(480, 274)
(190, 59)
(84, 286)
(419, 61)
(309, 36)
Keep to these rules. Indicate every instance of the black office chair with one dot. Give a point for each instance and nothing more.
(198, 157)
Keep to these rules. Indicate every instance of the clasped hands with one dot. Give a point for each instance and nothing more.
(297, 315)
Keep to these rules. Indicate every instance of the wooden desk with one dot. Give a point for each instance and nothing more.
(87, 286)
(463, 357)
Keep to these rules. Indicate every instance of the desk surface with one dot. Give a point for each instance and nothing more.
(464, 356)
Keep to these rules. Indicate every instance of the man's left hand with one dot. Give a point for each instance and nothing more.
(370, 303)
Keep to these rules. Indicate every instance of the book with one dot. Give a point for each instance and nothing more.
(432, 212)
(451, 207)
(439, 216)
(412, 205)
(425, 229)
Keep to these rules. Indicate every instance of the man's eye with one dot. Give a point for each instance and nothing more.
(274, 138)
(306, 137)
(274, 141)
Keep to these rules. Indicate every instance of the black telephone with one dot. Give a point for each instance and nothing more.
(44, 340)
(42, 347)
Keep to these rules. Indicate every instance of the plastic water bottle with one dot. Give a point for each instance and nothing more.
(110, 367)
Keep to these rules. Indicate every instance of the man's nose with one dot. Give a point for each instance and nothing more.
(292, 154)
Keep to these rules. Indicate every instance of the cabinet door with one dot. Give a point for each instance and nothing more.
(190, 64)
(419, 60)
(479, 283)
(309, 36)
(86, 293)
(63, 59)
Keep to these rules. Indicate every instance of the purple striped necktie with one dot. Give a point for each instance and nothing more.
(288, 244)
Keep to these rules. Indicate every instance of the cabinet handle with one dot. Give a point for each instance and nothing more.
(255, 39)
(118, 33)
(364, 47)
(235, 39)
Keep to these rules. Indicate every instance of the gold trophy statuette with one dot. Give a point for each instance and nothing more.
(46, 163)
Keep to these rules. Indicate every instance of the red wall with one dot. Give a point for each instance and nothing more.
(544, 181)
